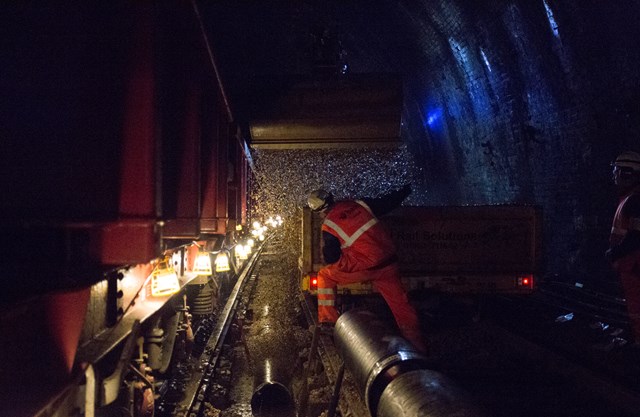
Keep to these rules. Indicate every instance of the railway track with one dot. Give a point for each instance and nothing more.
(256, 360)
(524, 359)
(506, 370)
(201, 375)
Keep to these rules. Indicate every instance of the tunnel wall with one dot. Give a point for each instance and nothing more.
(527, 102)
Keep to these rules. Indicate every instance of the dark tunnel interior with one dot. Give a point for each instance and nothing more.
(506, 101)
(128, 148)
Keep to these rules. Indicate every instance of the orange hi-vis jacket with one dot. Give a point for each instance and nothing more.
(628, 266)
(623, 222)
(364, 241)
(367, 254)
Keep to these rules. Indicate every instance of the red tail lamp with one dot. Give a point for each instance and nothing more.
(526, 281)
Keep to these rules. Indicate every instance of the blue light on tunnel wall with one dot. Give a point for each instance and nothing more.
(434, 117)
(552, 19)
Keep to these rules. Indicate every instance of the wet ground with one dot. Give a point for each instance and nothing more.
(269, 359)
(508, 371)
(515, 359)
(518, 360)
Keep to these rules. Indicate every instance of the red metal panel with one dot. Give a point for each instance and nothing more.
(242, 181)
(127, 242)
(223, 167)
(40, 340)
(65, 311)
(137, 189)
(186, 224)
(189, 182)
(209, 222)
(132, 239)
(211, 226)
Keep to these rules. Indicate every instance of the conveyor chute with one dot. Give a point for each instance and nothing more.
(358, 110)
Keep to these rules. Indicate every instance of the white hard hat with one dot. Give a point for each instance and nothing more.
(628, 159)
(319, 200)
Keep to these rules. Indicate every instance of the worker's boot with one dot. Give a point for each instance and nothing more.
(326, 328)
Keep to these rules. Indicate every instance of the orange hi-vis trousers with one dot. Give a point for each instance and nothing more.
(628, 268)
(385, 280)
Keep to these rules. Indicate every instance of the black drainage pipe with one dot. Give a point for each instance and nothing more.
(272, 399)
(394, 379)
(271, 363)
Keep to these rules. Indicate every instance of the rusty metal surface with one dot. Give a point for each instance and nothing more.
(478, 239)
(354, 111)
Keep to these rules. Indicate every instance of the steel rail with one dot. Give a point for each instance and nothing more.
(198, 383)
(599, 384)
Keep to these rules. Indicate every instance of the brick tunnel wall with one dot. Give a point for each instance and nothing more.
(507, 101)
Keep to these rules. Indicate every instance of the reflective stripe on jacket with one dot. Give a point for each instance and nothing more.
(363, 239)
(623, 222)
(327, 312)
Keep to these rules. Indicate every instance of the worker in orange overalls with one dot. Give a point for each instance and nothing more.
(624, 242)
(356, 248)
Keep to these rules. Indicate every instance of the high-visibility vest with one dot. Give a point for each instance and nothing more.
(623, 222)
(364, 241)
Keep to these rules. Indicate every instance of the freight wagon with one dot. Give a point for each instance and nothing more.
(485, 249)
